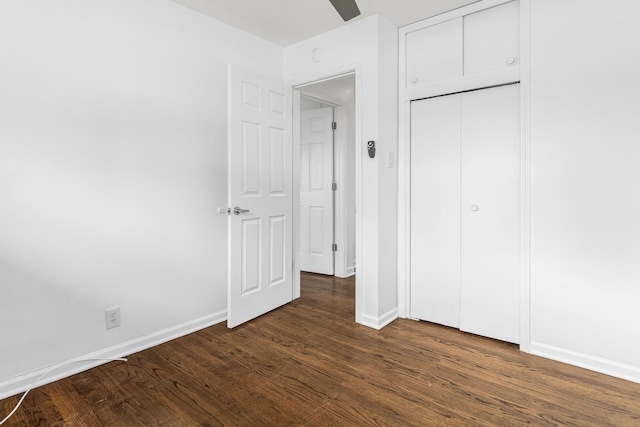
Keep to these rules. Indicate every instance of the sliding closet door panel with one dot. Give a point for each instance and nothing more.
(435, 210)
(490, 213)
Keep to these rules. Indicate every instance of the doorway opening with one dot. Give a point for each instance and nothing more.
(327, 179)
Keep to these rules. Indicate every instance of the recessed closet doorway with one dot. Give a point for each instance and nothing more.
(463, 168)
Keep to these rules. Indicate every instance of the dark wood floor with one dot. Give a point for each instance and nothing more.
(310, 364)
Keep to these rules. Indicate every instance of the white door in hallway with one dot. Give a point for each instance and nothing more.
(316, 191)
(260, 190)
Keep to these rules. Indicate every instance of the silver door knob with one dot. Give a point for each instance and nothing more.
(475, 208)
(238, 211)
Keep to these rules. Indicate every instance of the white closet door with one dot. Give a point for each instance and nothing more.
(465, 211)
(435, 210)
(490, 213)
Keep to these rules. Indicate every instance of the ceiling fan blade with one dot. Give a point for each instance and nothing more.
(348, 9)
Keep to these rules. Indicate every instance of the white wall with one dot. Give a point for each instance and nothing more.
(309, 104)
(350, 196)
(371, 46)
(387, 155)
(585, 152)
(113, 161)
(349, 168)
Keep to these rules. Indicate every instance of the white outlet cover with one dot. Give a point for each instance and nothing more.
(112, 317)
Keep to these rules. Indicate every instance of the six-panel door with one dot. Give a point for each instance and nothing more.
(260, 185)
(316, 192)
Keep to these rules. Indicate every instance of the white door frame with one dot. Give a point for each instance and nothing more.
(354, 70)
(343, 265)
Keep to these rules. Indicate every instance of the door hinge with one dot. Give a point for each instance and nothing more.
(334, 186)
(334, 247)
(334, 125)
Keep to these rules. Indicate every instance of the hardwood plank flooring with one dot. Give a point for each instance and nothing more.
(310, 364)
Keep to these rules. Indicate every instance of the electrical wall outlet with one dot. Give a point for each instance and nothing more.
(113, 317)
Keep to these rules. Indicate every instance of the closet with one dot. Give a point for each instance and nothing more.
(461, 86)
(465, 211)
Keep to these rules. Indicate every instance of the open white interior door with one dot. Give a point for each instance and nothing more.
(316, 191)
(260, 190)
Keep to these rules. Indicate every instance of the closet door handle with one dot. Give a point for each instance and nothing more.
(475, 208)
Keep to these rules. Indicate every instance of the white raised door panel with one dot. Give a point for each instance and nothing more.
(434, 54)
(316, 191)
(491, 39)
(260, 172)
(490, 213)
(435, 210)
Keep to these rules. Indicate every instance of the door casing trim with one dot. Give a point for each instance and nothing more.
(354, 69)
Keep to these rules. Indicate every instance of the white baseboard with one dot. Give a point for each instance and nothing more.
(351, 270)
(21, 383)
(593, 363)
(381, 321)
(344, 274)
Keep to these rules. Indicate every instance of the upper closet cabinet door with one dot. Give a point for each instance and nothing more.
(491, 39)
(434, 53)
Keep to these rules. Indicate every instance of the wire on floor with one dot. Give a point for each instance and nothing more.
(58, 366)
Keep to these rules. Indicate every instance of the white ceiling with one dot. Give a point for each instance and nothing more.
(286, 22)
